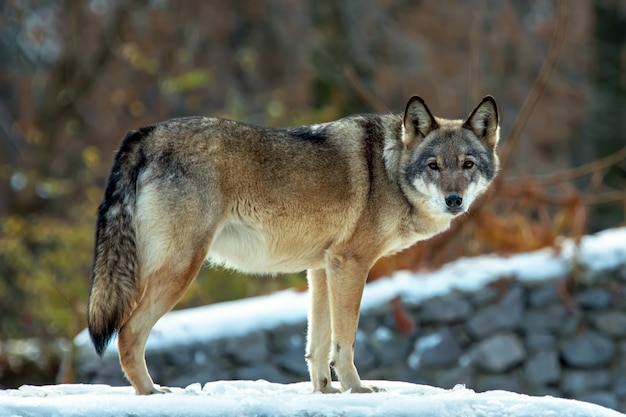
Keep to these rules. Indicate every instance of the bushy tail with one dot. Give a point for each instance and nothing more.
(114, 277)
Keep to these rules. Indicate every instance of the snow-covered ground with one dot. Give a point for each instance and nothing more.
(261, 398)
(606, 250)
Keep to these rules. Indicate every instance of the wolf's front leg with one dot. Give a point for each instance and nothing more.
(346, 281)
(318, 337)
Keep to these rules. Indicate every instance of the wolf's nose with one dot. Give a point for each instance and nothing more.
(454, 201)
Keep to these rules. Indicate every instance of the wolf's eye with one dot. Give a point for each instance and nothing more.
(433, 166)
(468, 164)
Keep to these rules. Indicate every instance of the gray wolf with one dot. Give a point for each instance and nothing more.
(329, 198)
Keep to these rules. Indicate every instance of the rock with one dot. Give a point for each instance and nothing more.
(436, 349)
(620, 274)
(363, 357)
(594, 298)
(252, 348)
(498, 382)
(288, 350)
(542, 368)
(546, 320)
(388, 346)
(588, 350)
(499, 352)
(445, 309)
(619, 365)
(288, 336)
(611, 322)
(448, 378)
(110, 372)
(578, 382)
(368, 323)
(540, 342)
(572, 323)
(263, 371)
(484, 296)
(177, 357)
(505, 315)
(544, 295)
(604, 398)
(461, 335)
(620, 385)
(181, 377)
(292, 361)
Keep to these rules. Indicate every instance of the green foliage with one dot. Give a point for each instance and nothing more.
(189, 81)
(48, 259)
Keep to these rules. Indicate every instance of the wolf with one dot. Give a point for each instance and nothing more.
(329, 198)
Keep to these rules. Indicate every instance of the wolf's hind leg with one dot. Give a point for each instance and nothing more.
(163, 288)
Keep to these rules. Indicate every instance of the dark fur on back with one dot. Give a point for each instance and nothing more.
(115, 264)
(307, 134)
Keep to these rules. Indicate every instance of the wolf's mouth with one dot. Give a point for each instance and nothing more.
(455, 211)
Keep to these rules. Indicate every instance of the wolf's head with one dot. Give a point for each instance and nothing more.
(447, 164)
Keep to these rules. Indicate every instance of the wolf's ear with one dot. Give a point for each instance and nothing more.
(483, 121)
(418, 121)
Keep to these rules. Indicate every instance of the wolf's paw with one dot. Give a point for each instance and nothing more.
(161, 390)
(329, 389)
(366, 389)
(155, 389)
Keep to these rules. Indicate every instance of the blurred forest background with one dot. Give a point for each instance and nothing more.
(76, 75)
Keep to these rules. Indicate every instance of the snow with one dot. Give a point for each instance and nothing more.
(262, 398)
(603, 251)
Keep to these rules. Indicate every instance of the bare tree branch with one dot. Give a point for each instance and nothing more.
(374, 102)
(570, 174)
(540, 83)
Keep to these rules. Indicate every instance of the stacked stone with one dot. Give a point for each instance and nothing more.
(564, 338)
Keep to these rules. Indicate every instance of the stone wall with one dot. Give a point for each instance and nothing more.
(564, 336)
